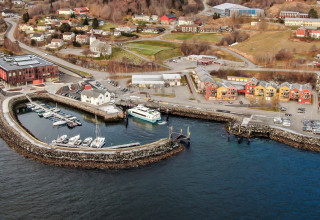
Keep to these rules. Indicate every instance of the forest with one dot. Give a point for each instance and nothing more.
(116, 10)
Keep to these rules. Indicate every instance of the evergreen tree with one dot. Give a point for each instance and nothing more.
(85, 21)
(25, 17)
(95, 23)
(65, 27)
(313, 13)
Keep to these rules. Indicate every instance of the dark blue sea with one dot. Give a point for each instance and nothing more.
(212, 179)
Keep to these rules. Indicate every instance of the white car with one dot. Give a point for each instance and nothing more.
(112, 102)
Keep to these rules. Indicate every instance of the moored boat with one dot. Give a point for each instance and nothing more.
(145, 113)
(98, 142)
(59, 123)
(47, 114)
(73, 140)
(86, 142)
(61, 139)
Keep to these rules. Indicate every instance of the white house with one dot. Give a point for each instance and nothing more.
(185, 21)
(126, 29)
(55, 43)
(65, 11)
(95, 96)
(38, 37)
(142, 17)
(99, 47)
(82, 39)
(26, 28)
(18, 2)
(68, 36)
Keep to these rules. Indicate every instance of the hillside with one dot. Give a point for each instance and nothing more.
(116, 10)
(3, 25)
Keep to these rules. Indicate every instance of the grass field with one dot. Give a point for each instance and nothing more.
(107, 26)
(210, 37)
(272, 42)
(155, 50)
(118, 54)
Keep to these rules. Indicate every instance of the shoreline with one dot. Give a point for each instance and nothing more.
(30, 147)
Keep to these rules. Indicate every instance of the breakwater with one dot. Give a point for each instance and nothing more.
(233, 122)
(25, 144)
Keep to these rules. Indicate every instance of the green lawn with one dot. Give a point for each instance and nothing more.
(107, 26)
(118, 54)
(209, 37)
(155, 50)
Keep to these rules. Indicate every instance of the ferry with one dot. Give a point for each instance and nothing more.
(145, 113)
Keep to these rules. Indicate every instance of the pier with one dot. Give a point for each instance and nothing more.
(61, 117)
(180, 137)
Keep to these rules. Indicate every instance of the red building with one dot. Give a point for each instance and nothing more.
(81, 11)
(249, 87)
(301, 32)
(168, 19)
(301, 93)
(23, 69)
(211, 91)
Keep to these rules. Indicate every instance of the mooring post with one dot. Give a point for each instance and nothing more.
(167, 114)
(127, 118)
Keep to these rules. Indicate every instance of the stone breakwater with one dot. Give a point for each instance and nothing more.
(286, 136)
(25, 144)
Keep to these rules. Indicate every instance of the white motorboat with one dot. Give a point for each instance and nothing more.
(145, 113)
(47, 114)
(78, 142)
(86, 142)
(59, 123)
(61, 139)
(73, 140)
(98, 142)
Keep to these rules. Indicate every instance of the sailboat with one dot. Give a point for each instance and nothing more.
(56, 109)
(98, 142)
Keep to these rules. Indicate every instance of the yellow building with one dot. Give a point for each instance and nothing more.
(259, 91)
(271, 91)
(226, 91)
(284, 92)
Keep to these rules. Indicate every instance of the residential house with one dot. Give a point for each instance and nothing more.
(284, 92)
(18, 2)
(81, 11)
(97, 31)
(141, 17)
(68, 36)
(226, 91)
(38, 37)
(185, 21)
(211, 91)
(188, 28)
(28, 29)
(202, 78)
(271, 90)
(65, 11)
(98, 47)
(154, 18)
(259, 90)
(168, 19)
(116, 33)
(81, 27)
(126, 29)
(55, 43)
(41, 28)
(82, 39)
(250, 87)
(65, 22)
(315, 34)
(301, 93)
(95, 96)
(172, 79)
(7, 13)
(152, 30)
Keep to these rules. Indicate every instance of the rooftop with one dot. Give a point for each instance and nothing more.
(9, 63)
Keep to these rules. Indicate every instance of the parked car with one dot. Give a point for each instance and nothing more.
(288, 114)
(283, 109)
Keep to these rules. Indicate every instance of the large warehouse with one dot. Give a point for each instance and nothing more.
(23, 69)
(230, 10)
